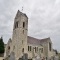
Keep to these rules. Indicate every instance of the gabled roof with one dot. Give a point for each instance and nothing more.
(19, 13)
(45, 39)
(36, 41)
(32, 40)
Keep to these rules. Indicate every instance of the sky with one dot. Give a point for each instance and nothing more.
(43, 18)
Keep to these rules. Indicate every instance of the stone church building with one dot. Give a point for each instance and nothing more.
(24, 47)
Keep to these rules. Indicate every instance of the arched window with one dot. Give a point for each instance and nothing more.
(23, 50)
(23, 24)
(50, 46)
(16, 24)
(28, 48)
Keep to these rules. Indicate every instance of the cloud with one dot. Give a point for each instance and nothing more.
(44, 18)
(46, 21)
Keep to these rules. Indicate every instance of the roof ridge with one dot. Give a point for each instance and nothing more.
(37, 41)
(33, 37)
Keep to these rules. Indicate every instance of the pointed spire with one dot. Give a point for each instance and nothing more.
(18, 14)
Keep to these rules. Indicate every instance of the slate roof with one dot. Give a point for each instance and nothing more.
(36, 41)
(32, 40)
(45, 40)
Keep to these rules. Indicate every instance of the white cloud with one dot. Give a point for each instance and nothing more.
(44, 18)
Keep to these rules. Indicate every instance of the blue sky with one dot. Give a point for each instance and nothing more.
(43, 22)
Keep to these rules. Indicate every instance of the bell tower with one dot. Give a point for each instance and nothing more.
(19, 38)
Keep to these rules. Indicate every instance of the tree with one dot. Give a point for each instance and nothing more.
(56, 52)
(1, 46)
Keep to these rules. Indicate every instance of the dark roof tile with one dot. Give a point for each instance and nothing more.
(32, 40)
(36, 41)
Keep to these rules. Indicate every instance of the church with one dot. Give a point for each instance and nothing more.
(24, 47)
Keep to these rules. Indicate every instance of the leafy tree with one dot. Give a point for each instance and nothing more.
(1, 46)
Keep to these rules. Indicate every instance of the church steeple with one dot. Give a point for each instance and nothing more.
(18, 14)
(20, 19)
(20, 33)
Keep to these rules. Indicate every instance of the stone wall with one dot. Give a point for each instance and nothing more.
(32, 54)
